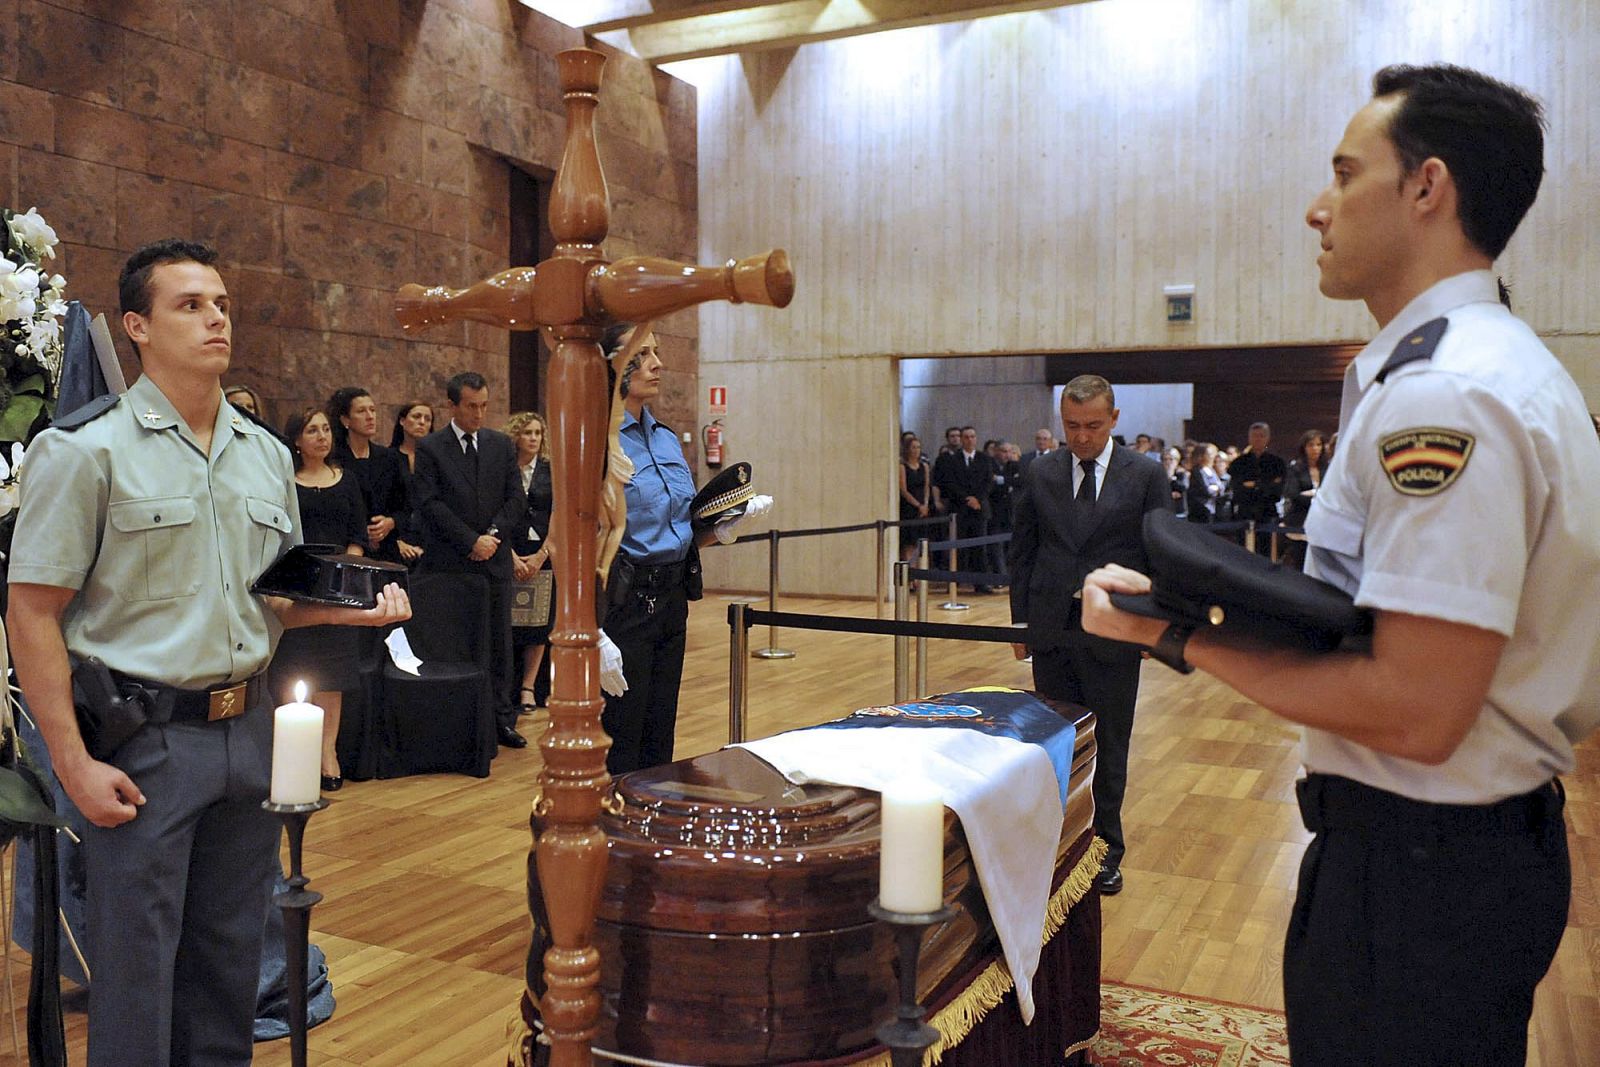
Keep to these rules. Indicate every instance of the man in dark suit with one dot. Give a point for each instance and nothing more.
(1044, 443)
(1256, 477)
(964, 478)
(1082, 507)
(469, 493)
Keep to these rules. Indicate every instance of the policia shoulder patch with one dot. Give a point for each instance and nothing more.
(1426, 460)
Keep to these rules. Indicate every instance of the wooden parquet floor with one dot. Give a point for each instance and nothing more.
(424, 920)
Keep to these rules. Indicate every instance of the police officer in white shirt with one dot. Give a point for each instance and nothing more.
(1461, 509)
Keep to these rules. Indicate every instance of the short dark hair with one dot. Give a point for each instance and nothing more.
(338, 407)
(1490, 134)
(1086, 387)
(133, 286)
(467, 379)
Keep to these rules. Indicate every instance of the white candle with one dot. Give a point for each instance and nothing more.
(297, 751)
(911, 856)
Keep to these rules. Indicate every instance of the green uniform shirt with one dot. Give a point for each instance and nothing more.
(160, 540)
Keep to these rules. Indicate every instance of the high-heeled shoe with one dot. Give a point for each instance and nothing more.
(332, 783)
(530, 701)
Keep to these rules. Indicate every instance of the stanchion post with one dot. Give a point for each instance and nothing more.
(951, 604)
(882, 569)
(738, 676)
(1275, 544)
(902, 644)
(1250, 535)
(772, 651)
(923, 558)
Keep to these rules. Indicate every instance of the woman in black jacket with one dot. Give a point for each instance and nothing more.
(530, 540)
(1300, 487)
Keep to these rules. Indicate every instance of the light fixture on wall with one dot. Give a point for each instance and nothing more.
(1180, 304)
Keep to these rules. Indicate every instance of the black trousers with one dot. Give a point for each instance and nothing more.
(1420, 930)
(649, 628)
(1103, 677)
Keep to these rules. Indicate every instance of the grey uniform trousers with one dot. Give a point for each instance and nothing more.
(177, 897)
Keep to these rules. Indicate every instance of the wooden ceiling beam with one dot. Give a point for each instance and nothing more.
(761, 25)
(638, 13)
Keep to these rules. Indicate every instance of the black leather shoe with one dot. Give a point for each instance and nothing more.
(982, 590)
(332, 783)
(1109, 880)
(510, 738)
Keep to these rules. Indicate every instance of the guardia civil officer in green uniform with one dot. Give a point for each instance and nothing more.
(143, 522)
(1461, 509)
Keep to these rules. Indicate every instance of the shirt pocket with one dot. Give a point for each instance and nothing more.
(271, 529)
(156, 536)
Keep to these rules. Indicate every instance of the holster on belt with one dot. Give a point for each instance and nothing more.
(107, 715)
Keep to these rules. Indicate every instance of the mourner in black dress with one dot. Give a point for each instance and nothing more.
(379, 472)
(916, 488)
(412, 423)
(530, 546)
(332, 512)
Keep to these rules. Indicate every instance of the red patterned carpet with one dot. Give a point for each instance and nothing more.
(1140, 1027)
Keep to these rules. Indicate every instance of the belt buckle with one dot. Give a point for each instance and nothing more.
(227, 703)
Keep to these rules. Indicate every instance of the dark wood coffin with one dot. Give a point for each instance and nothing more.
(733, 925)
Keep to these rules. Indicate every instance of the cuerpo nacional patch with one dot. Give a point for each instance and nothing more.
(1426, 460)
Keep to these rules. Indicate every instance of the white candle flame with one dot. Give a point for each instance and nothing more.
(300, 692)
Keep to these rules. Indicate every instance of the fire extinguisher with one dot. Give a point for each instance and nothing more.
(712, 437)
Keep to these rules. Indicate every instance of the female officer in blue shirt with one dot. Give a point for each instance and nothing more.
(656, 574)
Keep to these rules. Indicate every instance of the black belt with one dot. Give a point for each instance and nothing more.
(170, 704)
(1329, 802)
(659, 576)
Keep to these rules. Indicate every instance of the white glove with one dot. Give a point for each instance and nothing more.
(612, 680)
(758, 506)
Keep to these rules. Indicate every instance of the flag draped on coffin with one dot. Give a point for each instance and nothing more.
(1002, 759)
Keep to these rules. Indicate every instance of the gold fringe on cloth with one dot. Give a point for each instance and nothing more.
(958, 1018)
(520, 1037)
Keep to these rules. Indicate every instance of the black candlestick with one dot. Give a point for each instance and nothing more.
(296, 902)
(906, 1036)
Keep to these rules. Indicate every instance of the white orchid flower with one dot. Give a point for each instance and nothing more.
(31, 230)
(9, 471)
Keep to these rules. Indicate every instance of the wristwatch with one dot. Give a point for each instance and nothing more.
(1169, 647)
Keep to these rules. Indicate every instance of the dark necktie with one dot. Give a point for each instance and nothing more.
(1086, 487)
(471, 454)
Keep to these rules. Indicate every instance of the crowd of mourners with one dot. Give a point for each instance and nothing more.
(1209, 484)
(373, 499)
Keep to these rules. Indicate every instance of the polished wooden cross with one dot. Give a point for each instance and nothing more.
(574, 295)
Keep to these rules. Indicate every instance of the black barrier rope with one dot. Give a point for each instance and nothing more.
(1231, 526)
(885, 627)
(968, 542)
(857, 528)
(961, 577)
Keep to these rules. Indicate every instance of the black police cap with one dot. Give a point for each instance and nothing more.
(322, 574)
(725, 496)
(1203, 580)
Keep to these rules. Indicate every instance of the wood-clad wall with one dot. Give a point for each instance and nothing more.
(1028, 183)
